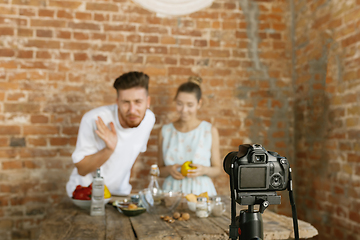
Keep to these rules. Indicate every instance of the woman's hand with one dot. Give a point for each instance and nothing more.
(199, 171)
(173, 170)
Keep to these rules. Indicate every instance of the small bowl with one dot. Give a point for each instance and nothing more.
(85, 204)
(131, 212)
(192, 206)
(163, 203)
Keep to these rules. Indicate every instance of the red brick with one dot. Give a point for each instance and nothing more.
(46, 13)
(99, 57)
(215, 53)
(84, 26)
(25, 54)
(43, 54)
(151, 39)
(7, 165)
(101, 17)
(41, 130)
(152, 49)
(81, 36)
(7, 10)
(116, 37)
(65, 4)
(44, 33)
(6, 31)
(59, 141)
(70, 130)
(6, 52)
(186, 32)
(15, 96)
(39, 119)
(81, 57)
(121, 27)
(48, 23)
(26, 12)
(98, 36)
(43, 44)
(37, 152)
(180, 71)
(22, 32)
(136, 38)
(102, 7)
(37, 141)
(76, 46)
(83, 16)
(68, 14)
(63, 34)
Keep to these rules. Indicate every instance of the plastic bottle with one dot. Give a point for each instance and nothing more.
(154, 185)
(97, 197)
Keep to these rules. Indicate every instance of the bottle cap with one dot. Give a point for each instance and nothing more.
(154, 170)
(215, 199)
(202, 199)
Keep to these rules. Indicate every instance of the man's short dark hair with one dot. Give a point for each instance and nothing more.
(132, 80)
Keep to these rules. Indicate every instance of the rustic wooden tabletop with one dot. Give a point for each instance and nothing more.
(67, 221)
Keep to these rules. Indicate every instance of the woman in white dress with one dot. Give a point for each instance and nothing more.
(189, 139)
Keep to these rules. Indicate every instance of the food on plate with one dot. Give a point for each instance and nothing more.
(191, 197)
(132, 206)
(185, 216)
(185, 167)
(176, 215)
(84, 193)
(204, 194)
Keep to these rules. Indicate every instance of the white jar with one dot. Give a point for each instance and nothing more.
(202, 207)
(218, 207)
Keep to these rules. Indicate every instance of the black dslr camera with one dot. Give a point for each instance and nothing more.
(257, 170)
(255, 177)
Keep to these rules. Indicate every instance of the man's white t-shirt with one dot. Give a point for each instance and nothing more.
(116, 170)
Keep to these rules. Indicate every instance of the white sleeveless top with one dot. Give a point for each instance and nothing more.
(195, 146)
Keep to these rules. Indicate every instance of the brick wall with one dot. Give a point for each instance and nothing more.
(58, 59)
(327, 115)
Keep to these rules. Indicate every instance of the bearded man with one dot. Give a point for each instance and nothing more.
(111, 137)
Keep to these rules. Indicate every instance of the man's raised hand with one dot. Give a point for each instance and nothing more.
(106, 134)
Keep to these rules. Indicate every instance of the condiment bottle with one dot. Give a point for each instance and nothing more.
(97, 197)
(154, 185)
(202, 207)
(218, 207)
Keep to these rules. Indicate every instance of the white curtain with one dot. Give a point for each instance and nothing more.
(174, 7)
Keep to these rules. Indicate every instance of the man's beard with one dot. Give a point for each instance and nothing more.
(133, 124)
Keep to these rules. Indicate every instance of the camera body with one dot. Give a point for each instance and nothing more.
(257, 171)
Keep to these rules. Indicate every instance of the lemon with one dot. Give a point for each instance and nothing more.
(107, 193)
(185, 167)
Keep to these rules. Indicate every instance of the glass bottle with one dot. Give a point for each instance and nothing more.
(202, 207)
(97, 196)
(154, 184)
(218, 207)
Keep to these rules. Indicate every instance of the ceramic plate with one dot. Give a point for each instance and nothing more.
(85, 204)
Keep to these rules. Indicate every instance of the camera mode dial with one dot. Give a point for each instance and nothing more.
(276, 181)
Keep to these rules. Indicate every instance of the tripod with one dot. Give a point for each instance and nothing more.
(249, 224)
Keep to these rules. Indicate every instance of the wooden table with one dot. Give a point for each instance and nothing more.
(67, 221)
